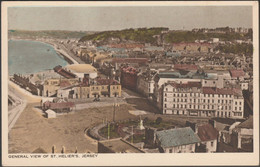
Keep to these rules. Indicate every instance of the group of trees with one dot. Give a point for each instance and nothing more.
(189, 36)
(138, 35)
(246, 49)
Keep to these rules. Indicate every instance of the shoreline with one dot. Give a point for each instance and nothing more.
(61, 52)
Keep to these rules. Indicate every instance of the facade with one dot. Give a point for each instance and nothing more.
(101, 88)
(191, 99)
(51, 86)
(145, 83)
(208, 136)
(242, 136)
(129, 77)
(179, 140)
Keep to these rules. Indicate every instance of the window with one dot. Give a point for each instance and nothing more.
(165, 99)
(208, 101)
(165, 94)
(240, 108)
(165, 105)
(240, 103)
(166, 89)
(230, 107)
(218, 101)
(212, 107)
(170, 150)
(211, 144)
(235, 103)
(212, 100)
(235, 108)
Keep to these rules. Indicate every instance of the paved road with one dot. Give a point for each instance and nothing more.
(15, 112)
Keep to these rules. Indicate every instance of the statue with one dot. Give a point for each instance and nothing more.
(141, 125)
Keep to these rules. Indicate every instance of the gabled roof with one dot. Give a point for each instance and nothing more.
(207, 132)
(177, 137)
(248, 124)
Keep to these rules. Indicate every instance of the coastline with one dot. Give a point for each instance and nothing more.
(60, 52)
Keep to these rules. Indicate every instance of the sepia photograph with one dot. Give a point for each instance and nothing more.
(96, 83)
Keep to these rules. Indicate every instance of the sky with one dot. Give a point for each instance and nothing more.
(117, 18)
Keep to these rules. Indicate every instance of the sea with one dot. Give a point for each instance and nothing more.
(27, 57)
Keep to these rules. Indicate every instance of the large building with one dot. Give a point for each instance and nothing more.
(192, 99)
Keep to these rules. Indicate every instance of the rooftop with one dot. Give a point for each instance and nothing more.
(186, 85)
(248, 124)
(222, 91)
(82, 68)
(207, 132)
(177, 137)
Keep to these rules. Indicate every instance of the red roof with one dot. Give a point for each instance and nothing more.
(207, 132)
(129, 70)
(185, 67)
(186, 85)
(237, 73)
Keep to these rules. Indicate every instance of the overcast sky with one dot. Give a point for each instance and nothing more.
(116, 18)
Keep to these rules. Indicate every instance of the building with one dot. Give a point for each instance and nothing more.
(50, 113)
(80, 70)
(209, 137)
(237, 75)
(179, 140)
(242, 136)
(117, 146)
(63, 72)
(51, 86)
(100, 88)
(145, 83)
(191, 99)
(129, 77)
(58, 107)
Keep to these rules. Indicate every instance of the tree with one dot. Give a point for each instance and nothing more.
(158, 120)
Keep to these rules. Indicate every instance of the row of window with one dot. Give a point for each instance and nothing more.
(103, 87)
(201, 107)
(198, 95)
(201, 100)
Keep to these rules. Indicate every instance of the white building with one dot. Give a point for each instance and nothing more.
(192, 99)
(208, 136)
(145, 83)
(50, 113)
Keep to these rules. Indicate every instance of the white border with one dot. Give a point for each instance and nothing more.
(135, 159)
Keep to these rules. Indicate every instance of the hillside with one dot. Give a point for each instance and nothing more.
(138, 35)
(189, 36)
